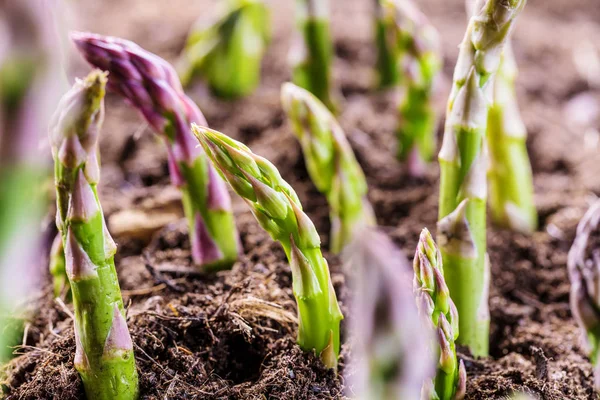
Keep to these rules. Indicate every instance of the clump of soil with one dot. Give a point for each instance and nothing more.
(231, 335)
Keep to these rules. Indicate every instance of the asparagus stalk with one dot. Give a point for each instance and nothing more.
(584, 274)
(58, 267)
(509, 174)
(104, 350)
(330, 163)
(278, 210)
(388, 51)
(391, 348)
(463, 164)
(151, 85)
(435, 304)
(238, 38)
(28, 80)
(418, 56)
(313, 54)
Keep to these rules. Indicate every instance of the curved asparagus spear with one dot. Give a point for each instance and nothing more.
(463, 164)
(435, 304)
(238, 38)
(278, 210)
(330, 163)
(391, 347)
(418, 57)
(104, 355)
(584, 273)
(509, 174)
(151, 85)
(312, 56)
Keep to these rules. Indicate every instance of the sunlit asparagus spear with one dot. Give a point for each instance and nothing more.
(313, 53)
(391, 347)
(330, 162)
(278, 210)
(584, 273)
(104, 351)
(435, 304)
(151, 85)
(414, 44)
(463, 167)
(29, 81)
(228, 52)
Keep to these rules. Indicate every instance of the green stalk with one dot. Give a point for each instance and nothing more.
(104, 351)
(388, 52)
(278, 210)
(239, 37)
(314, 54)
(463, 167)
(60, 281)
(510, 176)
(331, 164)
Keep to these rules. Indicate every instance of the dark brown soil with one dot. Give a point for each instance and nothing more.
(231, 336)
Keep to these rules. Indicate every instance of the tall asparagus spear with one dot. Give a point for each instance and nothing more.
(29, 80)
(330, 162)
(417, 56)
(278, 210)
(216, 51)
(391, 348)
(584, 273)
(151, 85)
(388, 51)
(435, 304)
(313, 53)
(509, 174)
(104, 355)
(463, 164)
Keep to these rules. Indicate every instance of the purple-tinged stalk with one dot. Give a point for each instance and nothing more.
(331, 164)
(391, 346)
(438, 309)
(151, 85)
(29, 72)
(278, 210)
(104, 350)
(584, 273)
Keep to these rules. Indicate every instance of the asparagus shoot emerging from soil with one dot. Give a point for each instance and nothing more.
(330, 163)
(104, 351)
(388, 51)
(584, 273)
(228, 53)
(509, 174)
(391, 347)
(278, 210)
(435, 304)
(463, 167)
(151, 85)
(312, 56)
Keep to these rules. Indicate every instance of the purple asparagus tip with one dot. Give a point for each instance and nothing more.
(118, 338)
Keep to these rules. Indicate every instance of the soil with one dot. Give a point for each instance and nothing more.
(231, 335)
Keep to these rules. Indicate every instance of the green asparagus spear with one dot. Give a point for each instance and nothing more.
(463, 167)
(228, 53)
(278, 210)
(330, 162)
(584, 273)
(388, 51)
(313, 53)
(435, 304)
(104, 350)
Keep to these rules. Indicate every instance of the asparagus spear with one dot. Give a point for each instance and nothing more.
(509, 174)
(151, 85)
(104, 351)
(435, 304)
(418, 57)
(278, 210)
(391, 347)
(388, 51)
(330, 162)
(463, 164)
(58, 267)
(312, 56)
(29, 74)
(216, 51)
(584, 274)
